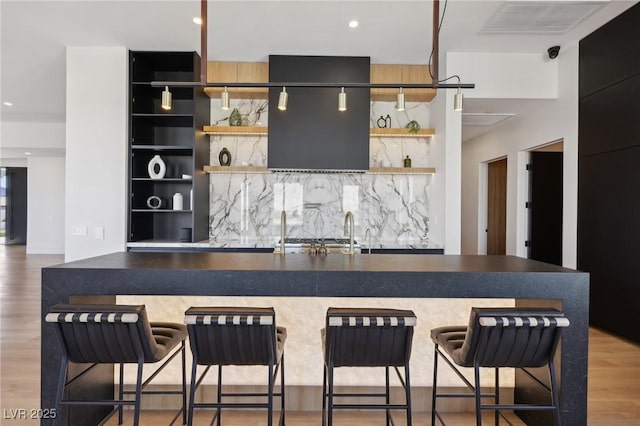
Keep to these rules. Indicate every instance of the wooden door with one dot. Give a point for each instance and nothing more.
(497, 207)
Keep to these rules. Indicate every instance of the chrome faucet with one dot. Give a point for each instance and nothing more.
(283, 232)
(348, 231)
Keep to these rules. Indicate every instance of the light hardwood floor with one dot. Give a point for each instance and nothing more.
(614, 364)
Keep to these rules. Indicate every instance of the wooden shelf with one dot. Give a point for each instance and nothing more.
(403, 170)
(264, 131)
(236, 130)
(236, 169)
(239, 92)
(186, 149)
(401, 133)
(410, 95)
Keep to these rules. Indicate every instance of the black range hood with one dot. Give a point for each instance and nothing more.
(312, 134)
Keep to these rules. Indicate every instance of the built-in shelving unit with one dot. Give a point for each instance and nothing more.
(263, 131)
(401, 133)
(235, 169)
(236, 130)
(258, 72)
(173, 135)
(403, 170)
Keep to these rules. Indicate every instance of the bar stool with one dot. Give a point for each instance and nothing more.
(236, 336)
(363, 337)
(500, 337)
(115, 334)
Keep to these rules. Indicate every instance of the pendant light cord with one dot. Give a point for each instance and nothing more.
(444, 11)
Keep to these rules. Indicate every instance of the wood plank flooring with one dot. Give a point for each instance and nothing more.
(614, 364)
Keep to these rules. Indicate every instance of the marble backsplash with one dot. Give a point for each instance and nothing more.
(388, 209)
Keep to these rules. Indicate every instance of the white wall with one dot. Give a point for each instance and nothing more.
(45, 205)
(551, 120)
(506, 75)
(96, 150)
(446, 153)
(27, 135)
(13, 162)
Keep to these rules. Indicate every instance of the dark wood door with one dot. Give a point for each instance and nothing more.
(497, 207)
(545, 207)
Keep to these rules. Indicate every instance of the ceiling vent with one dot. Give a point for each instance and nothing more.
(539, 16)
(483, 119)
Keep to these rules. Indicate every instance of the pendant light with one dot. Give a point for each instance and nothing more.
(342, 100)
(458, 99)
(224, 99)
(166, 99)
(282, 99)
(400, 101)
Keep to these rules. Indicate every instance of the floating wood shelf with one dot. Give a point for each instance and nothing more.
(401, 133)
(403, 170)
(264, 131)
(236, 130)
(235, 169)
(239, 92)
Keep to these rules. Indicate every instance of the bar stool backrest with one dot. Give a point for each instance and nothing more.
(104, 333)
(232, 336)
(369, 337)
(511, 337)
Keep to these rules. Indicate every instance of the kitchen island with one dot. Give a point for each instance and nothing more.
(100, 279)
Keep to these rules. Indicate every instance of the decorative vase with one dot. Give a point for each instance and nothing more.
(154, 202)
(413, 126)
(156, 168)
(235, 119)
(224, 157)
(177, 201)
(384, 122)
(407, 162)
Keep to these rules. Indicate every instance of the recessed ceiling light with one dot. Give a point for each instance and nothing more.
(197, 20)
(353, 24)
(7, 103)
(27, 153)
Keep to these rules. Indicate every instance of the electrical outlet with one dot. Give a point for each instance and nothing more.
(78, 230)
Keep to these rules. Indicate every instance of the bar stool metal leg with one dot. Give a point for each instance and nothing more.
(435, 386)
(387, 398)
(496, 413)
(407, 390)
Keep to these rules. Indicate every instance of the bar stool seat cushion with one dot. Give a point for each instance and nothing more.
(167, 335)
(451, 339)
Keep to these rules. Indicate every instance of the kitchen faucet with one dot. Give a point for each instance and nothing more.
(367, 233)
(348, 231)
(283, 232)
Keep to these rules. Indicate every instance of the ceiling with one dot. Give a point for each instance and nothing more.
(34, 35)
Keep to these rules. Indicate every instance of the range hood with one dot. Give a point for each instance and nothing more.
(312, 135)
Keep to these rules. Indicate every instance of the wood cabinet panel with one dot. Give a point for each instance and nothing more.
(385, 73)
(399, 73)
(238, 72)
(258, 72)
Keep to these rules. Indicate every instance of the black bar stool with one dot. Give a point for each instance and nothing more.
(236, 336)
(115, 334)
(363, 337)
(499, 337)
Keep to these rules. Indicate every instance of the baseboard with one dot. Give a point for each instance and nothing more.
(309, 398)
(44, 250)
